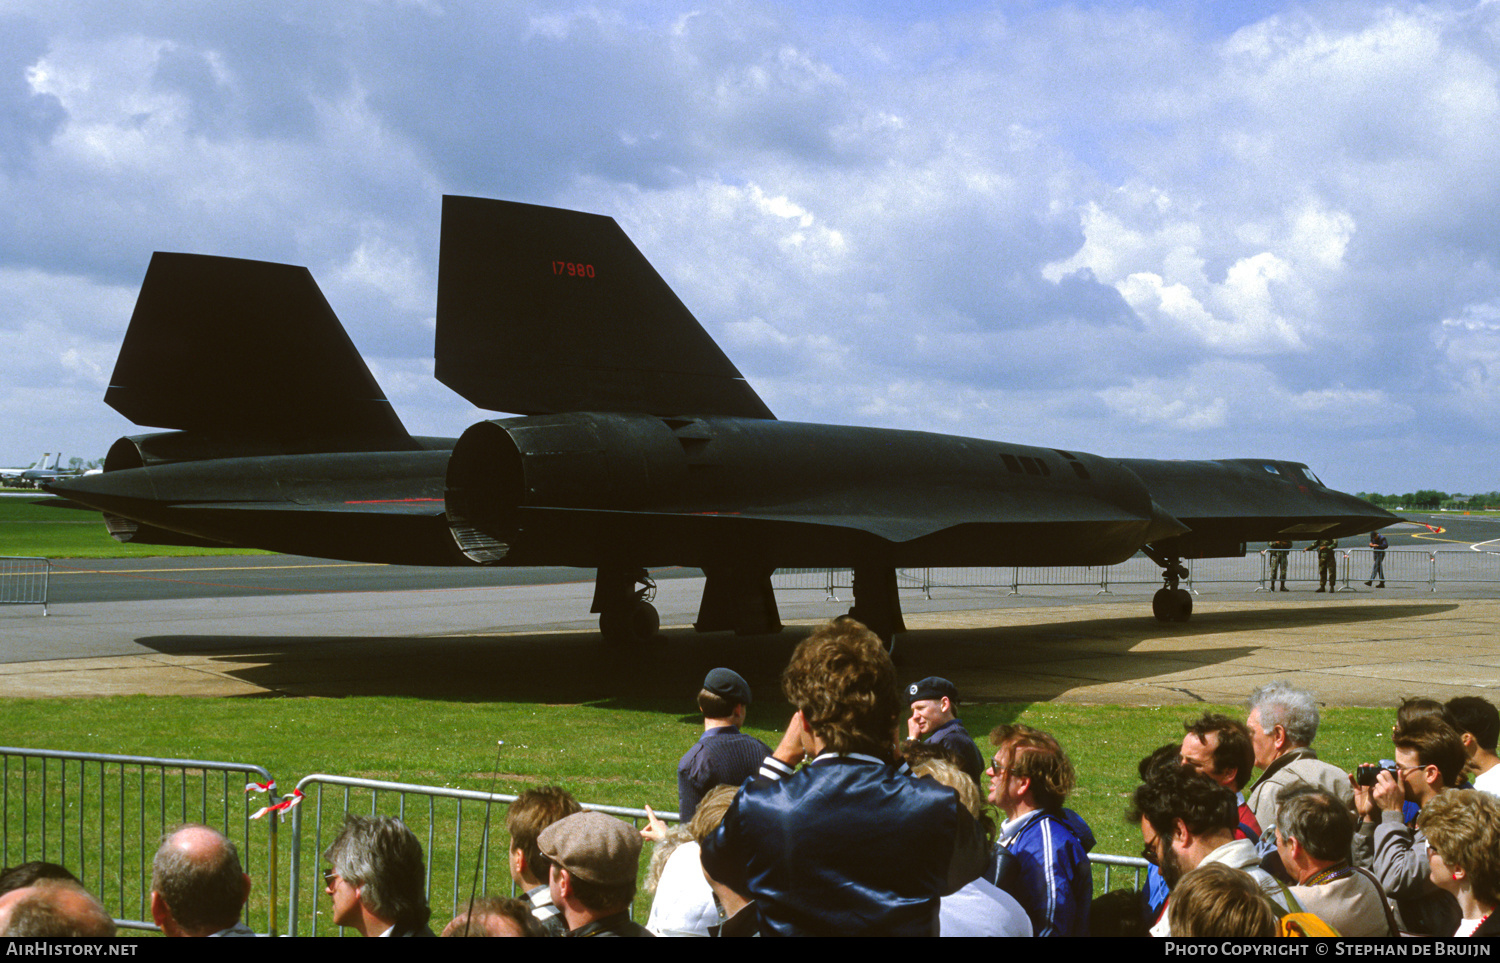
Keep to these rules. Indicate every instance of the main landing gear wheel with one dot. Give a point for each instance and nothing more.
(622, 596)
(631, 623)
(1172, 605)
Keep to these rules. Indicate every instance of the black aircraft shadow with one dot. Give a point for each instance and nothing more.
(1032, 662)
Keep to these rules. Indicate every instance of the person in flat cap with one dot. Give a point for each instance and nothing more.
(595, 859)
(934, 720)
(723, 754)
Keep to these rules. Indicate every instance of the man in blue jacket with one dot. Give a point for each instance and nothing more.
(851, 844)
(1030, 779)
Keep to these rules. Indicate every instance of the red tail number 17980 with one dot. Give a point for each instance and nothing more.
(572, 269)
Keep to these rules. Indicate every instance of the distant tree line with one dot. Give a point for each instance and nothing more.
(1435, 500)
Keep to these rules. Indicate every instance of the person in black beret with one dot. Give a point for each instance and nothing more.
(934, 720)
(723, 754)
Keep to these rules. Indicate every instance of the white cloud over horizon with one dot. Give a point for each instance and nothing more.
(1148, 230)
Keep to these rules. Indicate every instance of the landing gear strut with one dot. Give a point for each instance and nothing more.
(876, 603)
(1170, 603)
(622, 598)
(738, 597)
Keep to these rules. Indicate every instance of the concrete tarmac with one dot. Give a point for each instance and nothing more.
(537, 642)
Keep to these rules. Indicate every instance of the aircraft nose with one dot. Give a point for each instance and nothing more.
(1368, 517)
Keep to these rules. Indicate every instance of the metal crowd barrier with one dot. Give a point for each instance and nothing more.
(1136, 864)
(457, 847)
(23, 581)
(1301, 566)
(1468, 566)
(1243, 569)
(834, 580)
(1409, 566)
(1139, 570)
(102, 816)
(919, 579)
(807, 578)
(996, 578)
(1398, 565)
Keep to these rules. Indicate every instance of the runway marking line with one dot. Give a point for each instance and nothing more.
(208, 568)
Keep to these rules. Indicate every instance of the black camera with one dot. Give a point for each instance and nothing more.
(1367, 771)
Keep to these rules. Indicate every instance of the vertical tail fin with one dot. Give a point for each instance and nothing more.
(543, 311)
(244, 348)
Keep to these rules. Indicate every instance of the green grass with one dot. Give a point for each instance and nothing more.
(44, 527)
(602, 753)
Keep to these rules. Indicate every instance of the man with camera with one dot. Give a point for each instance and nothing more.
(1429, 759)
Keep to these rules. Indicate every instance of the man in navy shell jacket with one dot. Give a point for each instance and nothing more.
(852, 844)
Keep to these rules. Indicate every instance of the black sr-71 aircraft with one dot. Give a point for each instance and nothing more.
(638, 444)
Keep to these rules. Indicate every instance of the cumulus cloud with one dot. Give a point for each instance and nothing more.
(1470, 347)
(1251, 397)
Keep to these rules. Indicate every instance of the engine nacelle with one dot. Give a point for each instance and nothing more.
(170, 447)
(577, 460)
(174, 447)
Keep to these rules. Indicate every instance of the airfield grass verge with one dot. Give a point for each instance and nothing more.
(620, 754)
(41, 526)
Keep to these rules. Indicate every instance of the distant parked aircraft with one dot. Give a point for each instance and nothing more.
(9, 473)
(40, 471)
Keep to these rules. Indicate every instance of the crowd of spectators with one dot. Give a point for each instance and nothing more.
(841, 830)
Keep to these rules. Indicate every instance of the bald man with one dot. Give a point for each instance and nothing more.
(197, 885)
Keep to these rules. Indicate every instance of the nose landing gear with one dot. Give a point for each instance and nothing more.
(1170, 603)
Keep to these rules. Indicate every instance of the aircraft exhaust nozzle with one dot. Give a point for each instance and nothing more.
(478, 546)
(587, 460)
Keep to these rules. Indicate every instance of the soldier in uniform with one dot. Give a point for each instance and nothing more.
(1328, 568)
(1279, 548)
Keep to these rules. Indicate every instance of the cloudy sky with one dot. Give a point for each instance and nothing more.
(1173, 230)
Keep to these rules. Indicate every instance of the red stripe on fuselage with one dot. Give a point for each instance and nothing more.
(392, 501)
